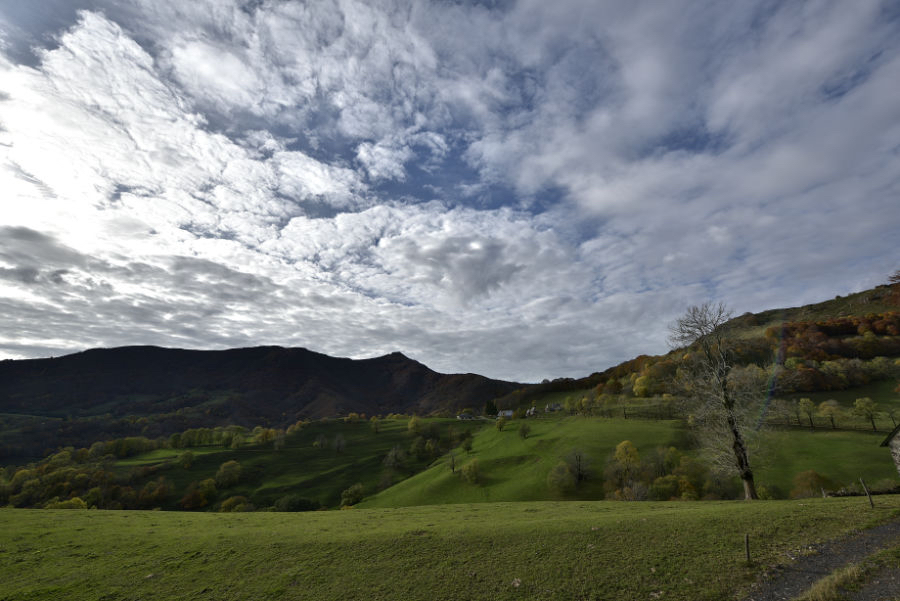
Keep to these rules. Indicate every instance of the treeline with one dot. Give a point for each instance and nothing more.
(874, 335)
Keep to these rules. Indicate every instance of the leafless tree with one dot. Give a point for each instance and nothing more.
(724, 395)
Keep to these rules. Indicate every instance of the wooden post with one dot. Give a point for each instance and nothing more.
(866, 488)
(747, 546)
(822, 488)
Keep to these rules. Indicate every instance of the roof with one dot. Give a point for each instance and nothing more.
(894, 432)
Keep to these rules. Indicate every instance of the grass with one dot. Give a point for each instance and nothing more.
(843, 457)
(543, 550)
(298, 468)
(515, 469)
(829, 588)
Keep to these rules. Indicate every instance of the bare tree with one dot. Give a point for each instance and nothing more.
(723, 393)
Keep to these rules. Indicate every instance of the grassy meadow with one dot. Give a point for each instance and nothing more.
(315, 473)
(513, 468)
(538, 550)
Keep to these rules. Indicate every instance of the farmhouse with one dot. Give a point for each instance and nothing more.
(893, 442)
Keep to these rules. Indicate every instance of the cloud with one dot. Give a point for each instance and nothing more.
(524, 189)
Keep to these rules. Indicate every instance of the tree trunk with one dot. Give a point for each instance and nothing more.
(743, 462)
(832, 421)
(872, 418)
(811, 425)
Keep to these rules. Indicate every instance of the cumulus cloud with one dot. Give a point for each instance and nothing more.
(524, 190)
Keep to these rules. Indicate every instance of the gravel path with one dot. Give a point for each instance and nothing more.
(811, 563)
(883, 586)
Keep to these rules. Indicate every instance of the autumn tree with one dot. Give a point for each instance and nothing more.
(500, 423)
(375, 424)
(867, 408)
(723, 396)
(808, 408)
(830, 409)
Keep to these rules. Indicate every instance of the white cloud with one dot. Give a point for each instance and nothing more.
(225, 174)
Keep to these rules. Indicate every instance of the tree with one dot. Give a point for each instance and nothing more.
(470, 472)
(723, 399)
(867, 408)
(579, 464)
(808, 407)
(524, 430)
(490, 408)
(830, 409)
(375, 424)
(229, 474)
(339, 443)
(561, 478)
(352, 495)
(500, 423)
(414, 425)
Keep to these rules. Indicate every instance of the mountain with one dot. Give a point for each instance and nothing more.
(152, 391)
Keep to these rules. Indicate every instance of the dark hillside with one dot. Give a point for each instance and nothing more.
(153, 391)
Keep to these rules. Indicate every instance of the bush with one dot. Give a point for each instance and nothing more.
(352, 495)
(199, 494)
(561, 479)
(296, 503)
(809, 484)
(73, 503)
(236, 503)
(229, 474)
(470, 472)
(524, 430)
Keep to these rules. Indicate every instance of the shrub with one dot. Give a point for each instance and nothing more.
(199, 494)
(296, 503)
(229, 474)
(809, 484)
(235, 504)
(560, 478)
(352, 495)
(524, 430)
(73, 503)
(470, 472)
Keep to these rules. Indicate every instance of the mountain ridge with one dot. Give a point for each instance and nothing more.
(154, 391)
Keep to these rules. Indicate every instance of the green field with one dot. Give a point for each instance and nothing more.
(318, 474)
(544, 550)
(515, 469)
(511, 468)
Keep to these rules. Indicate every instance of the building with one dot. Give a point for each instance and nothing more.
(893, 443)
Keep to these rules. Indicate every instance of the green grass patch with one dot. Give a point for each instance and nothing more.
(318, 474)
(515, 469)
(549, 550)
(843, 457)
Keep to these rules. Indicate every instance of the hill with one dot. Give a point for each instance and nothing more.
(844, 343)
(151, 391)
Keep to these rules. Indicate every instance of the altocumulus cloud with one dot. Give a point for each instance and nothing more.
(522, 189)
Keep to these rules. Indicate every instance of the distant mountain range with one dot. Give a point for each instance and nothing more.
(152, 391)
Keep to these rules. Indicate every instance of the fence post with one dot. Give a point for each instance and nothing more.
(747, 546)
(866, 488)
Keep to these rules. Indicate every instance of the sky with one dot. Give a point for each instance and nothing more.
(523, 190)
